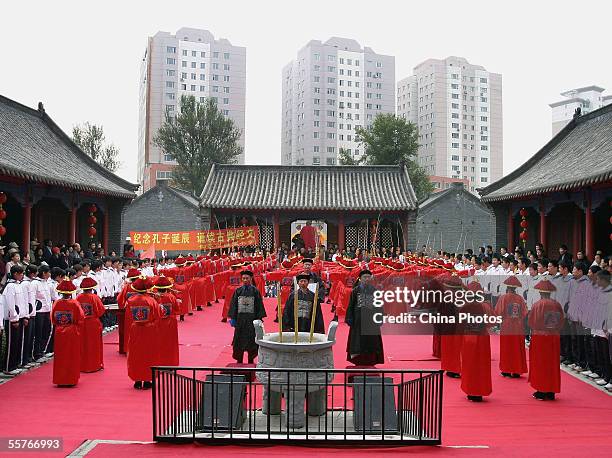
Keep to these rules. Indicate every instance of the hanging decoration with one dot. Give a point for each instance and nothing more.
(92, 220)
(524, 226)
(3, 199)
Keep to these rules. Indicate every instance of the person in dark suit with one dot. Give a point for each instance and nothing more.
(564, 255)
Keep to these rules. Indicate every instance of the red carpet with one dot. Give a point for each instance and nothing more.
(105, 406)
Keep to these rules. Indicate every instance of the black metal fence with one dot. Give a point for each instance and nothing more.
(310, 406)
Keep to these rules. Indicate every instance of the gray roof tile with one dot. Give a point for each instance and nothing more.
(580, 155)
(34, 148)
(380, 188)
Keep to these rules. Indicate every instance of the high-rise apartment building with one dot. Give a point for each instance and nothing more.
(191, 62)
(586, 98)
(457, 108)
(329, 90)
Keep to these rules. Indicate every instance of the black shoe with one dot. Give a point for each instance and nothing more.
(539, 395)
(276, 320)
(199, 308)
(208, 304)
(453, 374)
(333, 309)
(224, 320)
(216, 301)
(147, 385)
(516, 375)
(190, 313)
(475, 398)
(506, 374)
(138, 385)
(182, 318)
(335, 318)
(549, 396)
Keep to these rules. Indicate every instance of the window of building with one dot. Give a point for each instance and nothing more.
(184, 52)
(484, 148)
(226, 101)
(202, 65)
(226, 55)
(171, 49)
(170, 95)
(163, 174)
(202, 88)
(194, 76)
(170, 61)
(215, 77)
(226, 67)
(216, 54)
(454, 145)
(170, 84)
(202, 77)
(184, 64)
(331, 161)
(168, 157)
(193, 87)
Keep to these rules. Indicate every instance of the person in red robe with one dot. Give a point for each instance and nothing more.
(233, 283)
(168, 352)
(142, 351)
(476, 347)
(67, 318)
(124, 322)
(513, 310)
(309, 236)
(546, 322)
(450, 340)
(92, 355)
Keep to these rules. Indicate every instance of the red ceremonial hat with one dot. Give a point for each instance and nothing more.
(463, 273)
(55, 250)
(133, 273)
(200, 258)
(512, 281)
(88, 283)
(450, 281)
(545, 286)
(66, 287)
(474, 286)
(162, 283)
(189, 259)
(141, 284)
(179, 261)
(286, 264)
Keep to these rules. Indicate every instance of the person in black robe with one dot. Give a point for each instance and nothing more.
(305, 301)
(364, 346)
(246, 305)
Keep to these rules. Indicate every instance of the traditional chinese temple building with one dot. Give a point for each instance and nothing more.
(361, 205)
(565, 190)
(53, 189)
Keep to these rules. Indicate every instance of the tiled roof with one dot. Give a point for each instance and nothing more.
(578, 156)
(381, 188)
(34, 148)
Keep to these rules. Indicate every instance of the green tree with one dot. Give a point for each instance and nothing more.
(90, 138)
(197, 137)
(346, 158)
(392, 140)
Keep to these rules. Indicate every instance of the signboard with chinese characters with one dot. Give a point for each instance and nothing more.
(196, 240)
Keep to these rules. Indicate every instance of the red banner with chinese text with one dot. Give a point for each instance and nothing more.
(196, 240)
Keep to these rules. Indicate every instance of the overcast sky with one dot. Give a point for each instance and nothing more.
(82, 59)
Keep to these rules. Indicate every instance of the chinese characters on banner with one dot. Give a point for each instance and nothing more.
(196, 240)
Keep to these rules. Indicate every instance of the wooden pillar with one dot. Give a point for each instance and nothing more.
(543, 238)
(341, 232)
(276, 225)
(588, 227)
(105, 235)
(72, 229)
(27, 223)
(576, 236)
(511, 242)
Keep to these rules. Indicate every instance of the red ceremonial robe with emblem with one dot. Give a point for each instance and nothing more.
(168, 351)
(125, 320)
(142, 351)
(92, 355)
(67, 318)
(476, 352)
(545, 321)
(513, 310)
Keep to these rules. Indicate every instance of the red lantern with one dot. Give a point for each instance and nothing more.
(93, 208)
(92, 219)
(523, 235)
(3, 198)
(610, 219)
(2, 231)
(524, 224)
(523, 212)
(92, 231)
